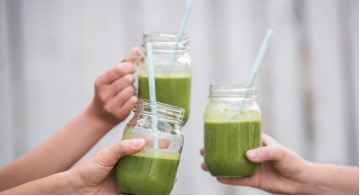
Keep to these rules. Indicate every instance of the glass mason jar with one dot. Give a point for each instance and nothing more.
(232, 126)
(152, 170)
(172, 70)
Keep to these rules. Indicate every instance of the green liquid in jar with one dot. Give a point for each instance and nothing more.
(146, 175)
(170, 90)
(226, 144)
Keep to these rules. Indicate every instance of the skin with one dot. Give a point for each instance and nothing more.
(94, 175)
(113, 101)
(282, 171)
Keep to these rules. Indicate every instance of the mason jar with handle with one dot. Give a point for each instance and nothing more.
(172, 70)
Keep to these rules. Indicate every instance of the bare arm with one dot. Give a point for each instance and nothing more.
(55, 184)
(114, 98)
(91, 176)
(56, 154)
(332, 179)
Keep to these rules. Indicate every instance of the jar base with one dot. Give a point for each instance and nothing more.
(123, 193)
(237, 176)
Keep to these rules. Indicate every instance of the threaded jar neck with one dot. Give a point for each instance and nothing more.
(166, 42)
(232, 92)
(162, 111)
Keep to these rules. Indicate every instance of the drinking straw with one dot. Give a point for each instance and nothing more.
(152, 93)
(184, 19)
(258, 61)
(260, 57)
(180, 31)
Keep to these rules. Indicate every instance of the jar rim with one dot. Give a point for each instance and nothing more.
(164, 111)
(232, 90)
(165, 37)
(166, 42)
(231, 86)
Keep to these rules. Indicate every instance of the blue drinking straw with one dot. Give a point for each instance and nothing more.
(258, 61)
(260, 57)
(180, 31)
(184, 19)
(152, 92)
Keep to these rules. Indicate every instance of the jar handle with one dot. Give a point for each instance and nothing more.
(137, 59)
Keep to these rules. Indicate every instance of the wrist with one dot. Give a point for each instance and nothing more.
(69, 183)
(66, 183)
(100, 122)
(313, 183)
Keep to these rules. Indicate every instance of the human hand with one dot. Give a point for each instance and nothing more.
(114, 93)
(282, 171)
(95, 175)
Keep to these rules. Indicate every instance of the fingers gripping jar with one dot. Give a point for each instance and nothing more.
(232, 126)
(172, 70)
(152, 170)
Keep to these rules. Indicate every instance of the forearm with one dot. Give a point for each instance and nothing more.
(56, 154)
(57, 184)
(332, 179)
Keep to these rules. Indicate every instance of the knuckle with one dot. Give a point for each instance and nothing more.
(104, 159)
(129, 91)
(108, 108)
(272, 152)
(98, 81)
(123, 68)
(132, 102)
(127, 67)
(265, 152)
(120, 70)
(103, 96)
(121, 146)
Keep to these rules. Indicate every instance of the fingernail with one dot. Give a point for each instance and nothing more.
(251, 154)
(137, 142)
(129, 78)
(134, 99)
(135, 49)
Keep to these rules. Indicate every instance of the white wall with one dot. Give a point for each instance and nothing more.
(52, 51)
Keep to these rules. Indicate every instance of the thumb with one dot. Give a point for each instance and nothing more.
(265, 153)
(110, 156)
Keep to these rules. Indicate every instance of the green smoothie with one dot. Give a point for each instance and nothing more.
(170, 90)
(226, 144)
(146, 175)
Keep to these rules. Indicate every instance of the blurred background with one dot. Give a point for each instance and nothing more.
(52, 51)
